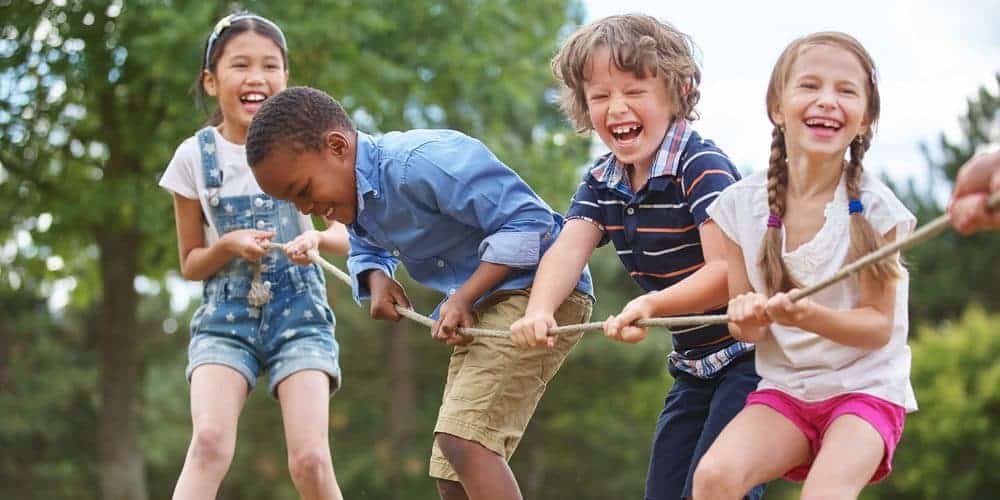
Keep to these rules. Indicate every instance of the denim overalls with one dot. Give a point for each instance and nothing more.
(293, 331)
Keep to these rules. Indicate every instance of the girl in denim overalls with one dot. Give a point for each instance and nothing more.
(261, 311)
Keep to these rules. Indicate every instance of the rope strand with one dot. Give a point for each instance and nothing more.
(922, 234)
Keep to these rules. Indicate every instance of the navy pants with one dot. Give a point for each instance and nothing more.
(694, 413)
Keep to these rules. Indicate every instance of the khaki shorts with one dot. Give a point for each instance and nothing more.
(493, 386)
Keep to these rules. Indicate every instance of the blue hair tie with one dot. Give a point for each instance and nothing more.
(855, 207)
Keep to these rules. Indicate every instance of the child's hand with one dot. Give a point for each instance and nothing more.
(454, 313)
(621, 327)
(249, 244)
(533, 329)
(748, 319)
(783, 311)
(386, 294)
(298, 249)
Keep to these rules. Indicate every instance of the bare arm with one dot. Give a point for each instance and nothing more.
(560, 268)
(702, 290)
(867, 326)
(557, 275)
(334, 239)
(748, 320)
(706, 288)
(198, 262)
(456, 311)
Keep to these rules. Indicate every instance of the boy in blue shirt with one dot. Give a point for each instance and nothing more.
(464, 224)
(633, 80)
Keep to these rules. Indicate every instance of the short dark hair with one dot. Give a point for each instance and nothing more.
(297, 117)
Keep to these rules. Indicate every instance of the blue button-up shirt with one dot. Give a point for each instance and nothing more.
(440, 202)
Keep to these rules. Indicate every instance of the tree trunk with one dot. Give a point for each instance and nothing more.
(122, 469)
(402, 404)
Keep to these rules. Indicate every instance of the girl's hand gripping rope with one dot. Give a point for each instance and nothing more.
(249, 244)
(748, 319)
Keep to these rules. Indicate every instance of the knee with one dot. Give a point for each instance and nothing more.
(213, 446)
(310, 464)
(713, 479)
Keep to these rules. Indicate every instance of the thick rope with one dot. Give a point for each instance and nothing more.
(922, 234)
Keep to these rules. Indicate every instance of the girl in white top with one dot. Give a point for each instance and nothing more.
(261, 312)
(834, 367)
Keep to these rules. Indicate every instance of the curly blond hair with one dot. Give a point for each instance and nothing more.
(639, 44)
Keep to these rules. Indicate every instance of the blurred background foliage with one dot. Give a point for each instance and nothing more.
(95, 96)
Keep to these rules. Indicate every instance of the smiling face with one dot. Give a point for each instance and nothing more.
(249, 70)
(318, 182)
(630, 114)
(823, 104)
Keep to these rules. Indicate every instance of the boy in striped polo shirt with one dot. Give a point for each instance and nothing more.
(633, 80)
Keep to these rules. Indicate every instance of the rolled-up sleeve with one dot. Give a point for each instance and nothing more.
(366, 257)
(469, 183)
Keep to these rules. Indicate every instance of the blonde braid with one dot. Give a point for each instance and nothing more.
(776, 276)
(864, 238)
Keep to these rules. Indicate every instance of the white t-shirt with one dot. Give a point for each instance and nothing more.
(184, 176)
(800, 363)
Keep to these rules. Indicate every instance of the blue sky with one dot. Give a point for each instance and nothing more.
(931, 57)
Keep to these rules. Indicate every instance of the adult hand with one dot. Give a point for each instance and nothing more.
(976, 181)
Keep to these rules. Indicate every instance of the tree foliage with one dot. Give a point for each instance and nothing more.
(951, 271)
(94, 98)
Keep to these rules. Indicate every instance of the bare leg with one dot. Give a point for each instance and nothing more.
(758, 445)
(304, 398)
(850, 454)
(484, 474)
(451, 490)
(217, 397)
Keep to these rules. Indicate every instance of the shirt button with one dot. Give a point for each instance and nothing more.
(260, 224)
(630, 211)
(214, 201)
(452, 291)
(395, 253)
(258, 202)
(440, 263)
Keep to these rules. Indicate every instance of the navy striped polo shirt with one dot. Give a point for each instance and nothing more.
(655, 230)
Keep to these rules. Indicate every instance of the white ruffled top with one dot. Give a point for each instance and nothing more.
(801, 363)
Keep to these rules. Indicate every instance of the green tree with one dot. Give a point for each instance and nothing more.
(93, 101)
(951, 271)
(949, 446)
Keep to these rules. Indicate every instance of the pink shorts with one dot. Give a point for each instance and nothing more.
(813, 419)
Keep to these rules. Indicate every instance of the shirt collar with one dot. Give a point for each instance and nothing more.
(667, 161)
(366, 167)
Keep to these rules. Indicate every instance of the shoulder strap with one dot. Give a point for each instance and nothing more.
(210, 166)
